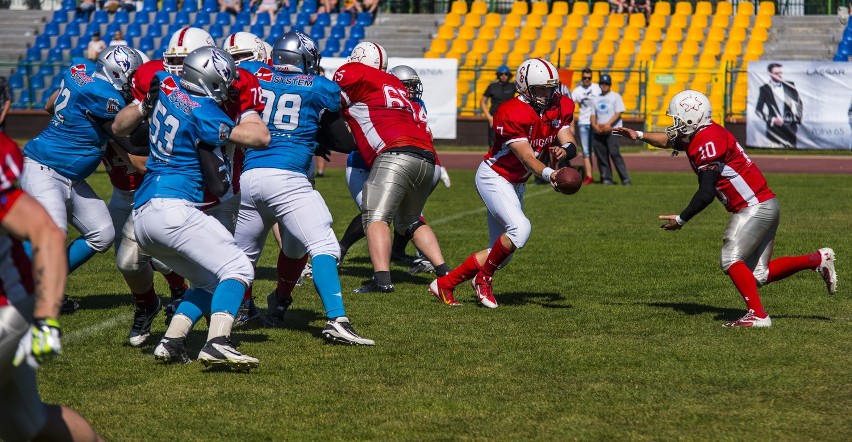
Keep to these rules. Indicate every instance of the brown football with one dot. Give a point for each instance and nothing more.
(568, 180)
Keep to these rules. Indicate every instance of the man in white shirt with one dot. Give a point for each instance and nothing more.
(583, 96)
(608, 107)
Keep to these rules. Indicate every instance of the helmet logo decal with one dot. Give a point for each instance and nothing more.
(220, 65)
(121, 58)
(690, 103)
(359, 54)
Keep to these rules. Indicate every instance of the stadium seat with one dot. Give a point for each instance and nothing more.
(37, 82)
(323, 19)
(224, 18)
(154, 30)
(596, 21)
(69, 5)
(459, 7)
(528, 34)
(695, 34)
(64, 42)
(51, 29)
(149, 5)
(337, 31)
(766, 8)
(47, 69)
(704, 7)
(16, 81)
(724, 8)
(33, 54)
(600, 8)
(364, 19)
(559, 8)
(202, 19)
(742, 21)
(317, 32)
(737, 35)
(631, 34)
(169, 6)
(260, 31)
(611, 34)
(142, 17)
(658, 21)
(309, 6)
(210, 6)
(576, 21)
(763, 21)
(678, 21)
(357, 33)
(683, 8)
(520, 8)
(100, 16)
(616, 20)
(662, 8)
(162, 18)
(263, 18)
(302, 19)
(60, 16)
(111, 28)
(244, 18)
(554, 21)
(699, 21)
(720, 22)
(636, 20)
(745, 8)
(472, 20)
(479, 7)
(121, 16)
(670, 47)
(181, 18)
(653, 34)
(189, 6)
(539, 8)
(759, 34)
(605, 47)
(42, 42)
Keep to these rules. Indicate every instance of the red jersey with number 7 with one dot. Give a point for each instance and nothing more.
(380, 115)
(741, 184)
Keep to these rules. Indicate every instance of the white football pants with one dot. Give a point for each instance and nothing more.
(505, 203)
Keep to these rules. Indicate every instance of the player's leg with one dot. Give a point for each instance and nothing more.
(585, 141)
(383, 192)
(254, 220)
(135, 267)
(355, 179)
(410, 223)
(89, 214)
(602, 154)
(614, 148)
(226, 212)
(747, 230)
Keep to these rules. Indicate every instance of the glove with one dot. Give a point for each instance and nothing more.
(323, 151)
(147, 105)
(46, 344)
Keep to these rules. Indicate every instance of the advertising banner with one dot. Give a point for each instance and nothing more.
(803, 105)
(439, 89)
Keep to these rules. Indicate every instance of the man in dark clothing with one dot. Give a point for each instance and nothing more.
(779, 105)
(498, 92)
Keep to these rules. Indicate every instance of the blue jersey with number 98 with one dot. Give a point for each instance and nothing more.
(71, 144)
(294, 104)
(180, 122)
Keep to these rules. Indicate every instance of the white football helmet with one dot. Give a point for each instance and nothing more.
(245, 46)
(537, 80)
(371, 54)
(181, 44)
(690, 111)
(268, 56)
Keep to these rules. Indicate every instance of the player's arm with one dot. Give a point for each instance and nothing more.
(251, 132)
(7, 105)
(123, 142)
(129, 118)
(483, 105)
(567, 148)
(707, 178)
(334, 134)
(524, 151)
(214, 169)
(49, 105)
(139, 162)
(656, 139)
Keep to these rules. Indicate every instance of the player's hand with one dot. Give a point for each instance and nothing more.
(557, 153)
(41, 345)
(625, 132)
(671, 222)
(147, 105)
(323, 151)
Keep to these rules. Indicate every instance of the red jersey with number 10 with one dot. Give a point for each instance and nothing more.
(379, 113)
(516, 120)
(740, 183)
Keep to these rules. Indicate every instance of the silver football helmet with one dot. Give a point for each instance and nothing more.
(296, 52)
(117, 64)
(410, 79)
(209, 71)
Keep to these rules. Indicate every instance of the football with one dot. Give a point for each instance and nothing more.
(568, 180)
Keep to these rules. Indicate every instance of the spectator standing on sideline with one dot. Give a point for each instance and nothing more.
(498, 93)
(583, 95)
(232, 6)
(118, 39)
(96, 45)
(608, 107)
(5, 102)
(84, 9)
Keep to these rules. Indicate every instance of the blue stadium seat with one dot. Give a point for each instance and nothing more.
(45, 95)
(202, 19)
(333, 45)
(348, 48)
(172, 30)
(100, 17)
(294, 6)
(149, 5)
(274, 33)
(309, 6)
(51, 29)
(271, 39)
(344, 19)
(33, 55)
(91, 29)
(162, 18)
(303, 19)
(338, 31)
(72, 28)
(146, 43)
(56, 81)
(364, 19)
(60, 16)
(154, 30)
(210, 6)
(282, 19)
(55, 54)
(47, 70)
(189, 5)
(24, 68)
(64, 42)
(258, 29)
(16, 81)
(42, 42)
(243, 18)
(297, 27)
(142, 17)
(236, 27)
(323, 19)
(121, 16)
(133, 30)
(182, 18)
(69, 5)
(110, 30)
(37, 81)
(357, 33)
(23, 101)
(76, 52)
(169, 5)
(317, 32)
(216, 31)
(223, 19)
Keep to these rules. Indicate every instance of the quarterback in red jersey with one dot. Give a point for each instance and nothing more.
(400, 156)
(536, 121)
(724, 170)
(30, 296)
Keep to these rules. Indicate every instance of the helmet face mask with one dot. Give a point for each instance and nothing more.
(181, 44)
(538, 81)
(209, 72)
(117, 64)
(409, 78)
(296, 52)
(690, 111)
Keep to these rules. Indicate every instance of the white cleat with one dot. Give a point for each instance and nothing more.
(750, 321)
(340, 330)
(221, 351)
(826, 269)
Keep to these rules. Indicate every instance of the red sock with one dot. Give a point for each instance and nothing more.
(785, 266)
(247, 293)
(747, 285)
(468, 269)
(496, 256)
(289, 271)
(175, 281)
(145, 300)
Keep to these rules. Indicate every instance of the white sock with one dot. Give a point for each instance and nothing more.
(179, 327)
(220, 325)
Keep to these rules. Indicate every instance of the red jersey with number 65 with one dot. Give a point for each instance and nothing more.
(122, 175)
(740, 184)
(516, 120)
(16, 279)
(379, 113)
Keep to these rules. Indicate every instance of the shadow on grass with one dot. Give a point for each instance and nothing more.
(546, 300)
(691, 308)
(104, 301)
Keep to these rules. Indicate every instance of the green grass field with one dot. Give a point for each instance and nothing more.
(609, 328)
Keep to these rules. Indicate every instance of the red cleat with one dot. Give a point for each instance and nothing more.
(750, 320)
(442, 292)
(482, 287)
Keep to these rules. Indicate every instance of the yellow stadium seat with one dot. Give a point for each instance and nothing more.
(755, 47)
(695, 34)
(458, 7)
(493, 19)
(763, 21)
(520, 8)
(611, 34)
(674, 34)
(539, 8)
(737, 35)
(631, 34)
(515, 58)
(704, 7)
(678, 21)
(600, 8)
(487, 33)
(466, 33)
(616, 20)
(564, 47)
(559, 8)
(745, 8)
(585, 47)
(670, 47)
(600, 61)
(513, 20)
(641, 58)
(716, 34)
(453, 20)
(742, 21)
(724, 8)
(433, 54)
(446, 32)
(569, 34)
(501, 46)
(637, 20)
(480, 47)
(439, 46)
(683, 8)
(596, 21)
(662, 8)
(664, 61)
(534, 20)
(576, 21)
(479, 7)
(699, 21)
(627, 47)
(605, 47)
(554, 21)
(713, 48)
(653, 34)
(733, 48)
(528, 34)
(590, 34)
(759, 34)
(766, 8)
(720, 21)
(658, 20)
(685, 62)
(542, 48)
(472, 19)
(648, 47)
(463, 87)
(690, 48)
(621, 61)
(494, 59)
(467, 75)
(549, 34)
(580, 8)
(460, 46)
(508, 34)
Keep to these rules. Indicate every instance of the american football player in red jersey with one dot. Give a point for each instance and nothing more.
(724, 170)
(30, 297)
(536, 122)
(401, 156)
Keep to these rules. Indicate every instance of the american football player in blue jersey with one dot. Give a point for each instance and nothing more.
(275, 186)
(61, 157)
(187, 130)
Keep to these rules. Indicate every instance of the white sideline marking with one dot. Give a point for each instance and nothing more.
(125, 317)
